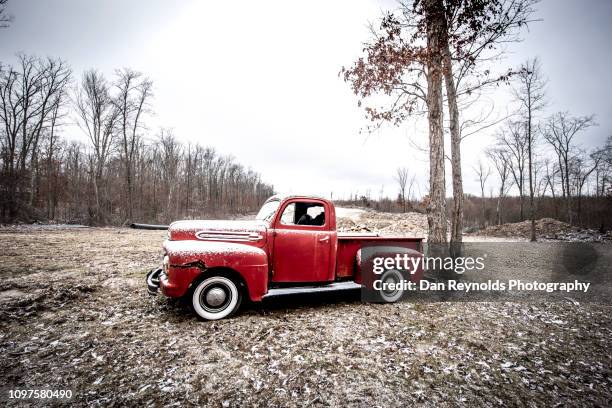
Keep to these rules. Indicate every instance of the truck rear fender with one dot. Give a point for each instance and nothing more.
(365, 259)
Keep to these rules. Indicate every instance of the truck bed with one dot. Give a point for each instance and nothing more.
(350, 242)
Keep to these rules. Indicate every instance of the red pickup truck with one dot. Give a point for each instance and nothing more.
(292, 245)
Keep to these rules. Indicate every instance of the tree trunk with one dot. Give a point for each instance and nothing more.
(521, 203)
(128, 179)
(531, 203)
(498, 209)
(579, 215)
(568, 194)
(455, 134)
(96, 183)
(32, 178)
(484, 208)
(436, 209)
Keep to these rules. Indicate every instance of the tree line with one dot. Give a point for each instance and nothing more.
(539, 157)
(558, 167)
(123, 172)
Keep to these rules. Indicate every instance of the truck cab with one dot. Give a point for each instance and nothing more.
(292, 243)
(304, 241)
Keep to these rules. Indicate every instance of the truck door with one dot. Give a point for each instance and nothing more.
(302, 242)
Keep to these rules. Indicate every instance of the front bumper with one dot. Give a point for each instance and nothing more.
(153, 280)
(158, 282)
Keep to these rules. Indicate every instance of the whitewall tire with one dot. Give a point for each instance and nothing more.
(391, 276)
(216, 297)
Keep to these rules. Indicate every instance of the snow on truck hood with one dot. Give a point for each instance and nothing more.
(216, 230)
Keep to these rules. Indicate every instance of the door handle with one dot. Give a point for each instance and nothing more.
(324, 239)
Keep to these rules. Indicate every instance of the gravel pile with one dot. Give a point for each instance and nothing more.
(411, 223)
(582, 235)
(544, 226)
(547, 229)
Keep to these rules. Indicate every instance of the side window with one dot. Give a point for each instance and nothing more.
(299, 213)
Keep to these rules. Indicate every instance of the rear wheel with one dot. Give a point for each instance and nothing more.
(389, 278)
(216, 297)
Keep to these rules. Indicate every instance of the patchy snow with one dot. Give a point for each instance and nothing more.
(11, 294)
(483, 238)
(40, 227)
(204, 248)
(217, 225)
(320, 350)
(216, 230)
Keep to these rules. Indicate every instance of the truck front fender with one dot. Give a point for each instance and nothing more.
(189, 259)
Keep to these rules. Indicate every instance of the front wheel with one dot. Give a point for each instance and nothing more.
(216, 297)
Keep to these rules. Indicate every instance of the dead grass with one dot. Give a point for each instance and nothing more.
(75, 314)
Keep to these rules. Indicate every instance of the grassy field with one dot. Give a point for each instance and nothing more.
(74, 313)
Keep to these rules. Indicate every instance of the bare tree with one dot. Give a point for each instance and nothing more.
(132, 101)
(551, 171)
(513, 139)
(560, 131)
(530, 93)
(54, 76)
(402, 179)
(405, 187)
(58, 113)
(603, 172)
(191, 158)
(502, 162)
(29, 94)
(483, 172)
(475, 29)
(97, 116)
(581, 167)
(10, 112)
(171, 157)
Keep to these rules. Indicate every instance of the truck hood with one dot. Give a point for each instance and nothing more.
(253, 232)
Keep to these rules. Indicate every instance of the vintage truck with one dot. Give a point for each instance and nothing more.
(291, 246)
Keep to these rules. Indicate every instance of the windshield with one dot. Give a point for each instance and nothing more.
(267, 210)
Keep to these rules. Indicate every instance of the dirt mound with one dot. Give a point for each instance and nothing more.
(584, 235)
(412, 223)
(544, 226)
(547, 229)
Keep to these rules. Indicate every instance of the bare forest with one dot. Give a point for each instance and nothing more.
(116, 170)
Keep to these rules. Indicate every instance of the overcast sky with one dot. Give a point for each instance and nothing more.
(259, 79)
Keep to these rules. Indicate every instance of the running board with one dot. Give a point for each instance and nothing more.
(312, 289)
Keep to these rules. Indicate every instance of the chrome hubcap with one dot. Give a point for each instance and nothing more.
(215, 297)
(389, 280)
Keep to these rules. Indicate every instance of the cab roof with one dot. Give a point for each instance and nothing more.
(283, 197)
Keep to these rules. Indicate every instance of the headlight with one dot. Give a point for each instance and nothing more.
(166, 264)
